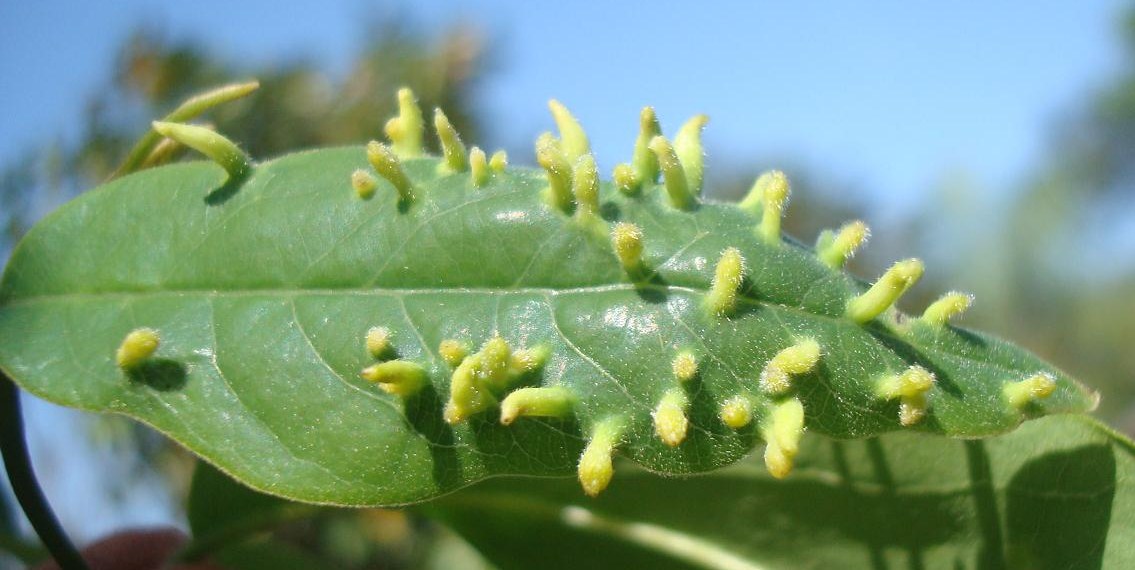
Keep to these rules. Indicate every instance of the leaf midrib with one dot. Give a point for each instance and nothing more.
(397, 292)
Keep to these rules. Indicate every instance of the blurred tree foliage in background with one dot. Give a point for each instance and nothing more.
(1059, 256)
(297, 106)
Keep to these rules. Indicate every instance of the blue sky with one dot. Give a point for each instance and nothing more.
(894, 98)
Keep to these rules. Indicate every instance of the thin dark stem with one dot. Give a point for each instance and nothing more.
(24, 484)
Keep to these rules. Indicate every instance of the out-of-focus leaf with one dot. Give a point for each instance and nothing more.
(216, 501)
(1056, 493)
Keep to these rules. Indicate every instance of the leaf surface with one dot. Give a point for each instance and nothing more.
(263, 291)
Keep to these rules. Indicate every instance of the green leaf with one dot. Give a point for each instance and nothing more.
(1056, 494)
(217, 505)
(224, 515)
(262, 290)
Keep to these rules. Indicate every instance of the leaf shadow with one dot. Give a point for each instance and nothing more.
(161, 374)
(225, 191)
(1059, 509)
(651, 287)
(424, 413)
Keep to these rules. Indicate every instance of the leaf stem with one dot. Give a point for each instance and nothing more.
(24, 484)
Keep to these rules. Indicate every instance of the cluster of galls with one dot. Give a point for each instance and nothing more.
(479, 378)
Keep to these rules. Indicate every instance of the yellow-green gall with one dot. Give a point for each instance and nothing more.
(645, 163)
(625, 179)
(452, 351)
(398, 377)
(527, 360)
(552, 401)
(727, 278)
(387, 165)
(673, 176)
(684, 366)
(209, 143)
(496, 356)
(911, 388)
(499, 161)
(946, 307)
(799, 358)
(378, 342)
(452, 149)
(626, 239)
(688, 147)
(138, 345)
(835, 248)
(595, 466)
(670, 422)
(574, 139)
(468, 393)
(883, 294)
(773, 190)
(585, 187)
(479, 167)
(494, 368)
(1036, 387)
(405, 131)
(769, 186)
(736, 412)
(363, 183)
(550, 156)
(782, 433)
